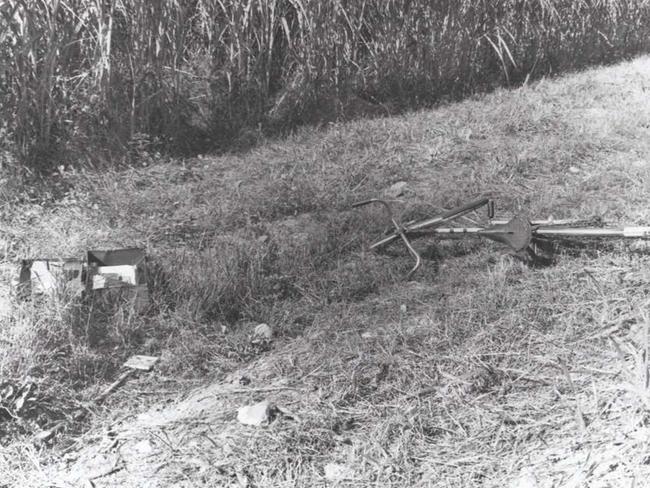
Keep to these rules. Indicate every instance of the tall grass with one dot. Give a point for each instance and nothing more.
(77, 76)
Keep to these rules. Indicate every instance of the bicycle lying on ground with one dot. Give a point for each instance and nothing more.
(531, 240)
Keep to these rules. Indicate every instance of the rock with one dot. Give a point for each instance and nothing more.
(44, 436)
(396, 189)
(143, 447)
(574, 170)
(526, 479)
(264, 332)
(256, 415)
(338, 472)
(368, 335)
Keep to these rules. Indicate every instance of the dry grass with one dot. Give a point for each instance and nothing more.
(481, 372)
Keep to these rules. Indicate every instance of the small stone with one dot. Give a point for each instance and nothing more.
(402, 308)
(263, 331)
(256, 414)
(574, 170)
(338, 472)
(143, 447)
(44, 436)
(396, 189)
(368, 335)
(526, 479)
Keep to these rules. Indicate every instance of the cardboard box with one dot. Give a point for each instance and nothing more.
(50, 276)
(119, 268)
(122, 270)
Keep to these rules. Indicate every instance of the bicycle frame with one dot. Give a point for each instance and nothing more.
(517, 233)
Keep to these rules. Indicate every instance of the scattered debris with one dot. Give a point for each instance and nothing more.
(45, 435)
(28, 406)
(49, 276)
(257, 414)
(143, 363)
(338, 472)
(143, 447)
(116, 268)
(124, 269)
(114, 386)
(396, 189)
(263, 332)
(134, 364)
(119, 268)
(15, 398)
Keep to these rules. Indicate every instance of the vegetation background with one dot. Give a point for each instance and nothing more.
(91, 82)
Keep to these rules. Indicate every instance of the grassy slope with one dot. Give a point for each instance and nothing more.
(475, 374)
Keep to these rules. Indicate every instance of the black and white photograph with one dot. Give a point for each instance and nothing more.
(324, 243)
